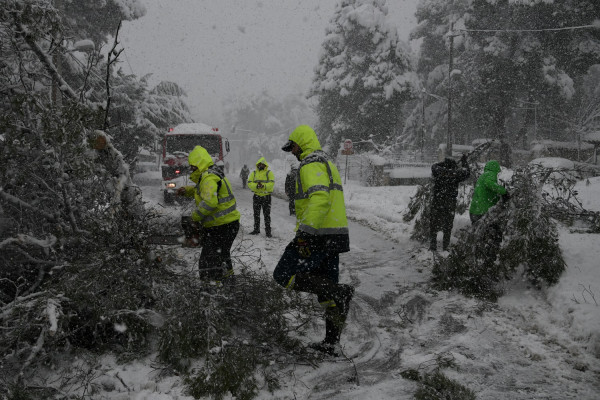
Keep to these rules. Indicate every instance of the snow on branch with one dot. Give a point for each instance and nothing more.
(124, 187)
(52, 312)
(26, 239)
(47, 62)
(16, 201)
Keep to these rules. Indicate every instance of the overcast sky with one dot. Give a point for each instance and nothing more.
(217, 49)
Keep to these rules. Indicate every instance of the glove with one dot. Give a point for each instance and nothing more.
(180, 191)
(259, 185)
(303, 247)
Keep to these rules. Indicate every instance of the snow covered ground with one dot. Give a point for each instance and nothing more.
(530, 345)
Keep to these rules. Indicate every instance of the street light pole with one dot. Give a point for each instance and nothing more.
(450, 66)
(55, 92)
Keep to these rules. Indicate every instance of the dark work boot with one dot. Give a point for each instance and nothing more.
(342, 299)
(268, 232)
(255, 232)
(330, 344)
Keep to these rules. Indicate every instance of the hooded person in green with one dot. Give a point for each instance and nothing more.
(486, 194)
(487, 191)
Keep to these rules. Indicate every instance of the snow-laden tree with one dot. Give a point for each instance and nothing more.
(96, 20)
(363, 77)
(67, 203)
(509, 57)
(167, 107)
(138, 117)
(434, 19)
(519, 53)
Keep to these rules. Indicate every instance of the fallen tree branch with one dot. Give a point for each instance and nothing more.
(26, 239)
(9, 198)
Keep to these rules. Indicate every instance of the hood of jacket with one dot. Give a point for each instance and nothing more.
(262, 161)
(492, 166)
(200, 158)
(305, 137)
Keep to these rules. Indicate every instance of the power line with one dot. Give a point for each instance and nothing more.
(566, 28)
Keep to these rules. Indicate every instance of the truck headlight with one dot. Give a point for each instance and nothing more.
(171, 185)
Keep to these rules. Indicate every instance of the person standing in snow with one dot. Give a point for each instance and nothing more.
(310, 262)
(290, 189)
(447, 175)
(261, 182)
(244, 175)
(486, 194)
(215, 212)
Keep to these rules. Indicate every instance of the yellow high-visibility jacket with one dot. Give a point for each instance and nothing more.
(319, 199)
(215, 201)
(265, 177)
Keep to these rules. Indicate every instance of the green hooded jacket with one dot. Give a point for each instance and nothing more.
(264, 177)
(215, 202)
(319, 198)
(487, 190)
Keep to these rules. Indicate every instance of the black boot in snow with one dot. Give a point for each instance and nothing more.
(326, 348)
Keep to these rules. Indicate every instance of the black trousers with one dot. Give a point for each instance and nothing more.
(264, 203)
(441, 219)
(215, 259)
(292, 205)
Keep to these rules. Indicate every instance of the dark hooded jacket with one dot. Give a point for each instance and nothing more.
(447, 175)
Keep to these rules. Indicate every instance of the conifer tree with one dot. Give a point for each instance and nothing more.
(363, 77)
(509, 56)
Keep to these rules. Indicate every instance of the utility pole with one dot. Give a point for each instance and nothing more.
(450, 66)
(56, 60)
(535, 120)
(423, 93)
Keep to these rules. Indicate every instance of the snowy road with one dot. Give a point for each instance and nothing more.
(515, 349)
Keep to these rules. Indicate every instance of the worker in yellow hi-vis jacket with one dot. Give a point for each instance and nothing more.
(310, 263)
(261, 181)
(215, 212)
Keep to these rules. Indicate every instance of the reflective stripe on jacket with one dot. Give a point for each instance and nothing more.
(319, 198)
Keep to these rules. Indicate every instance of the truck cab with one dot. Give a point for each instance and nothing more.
(177, 144)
